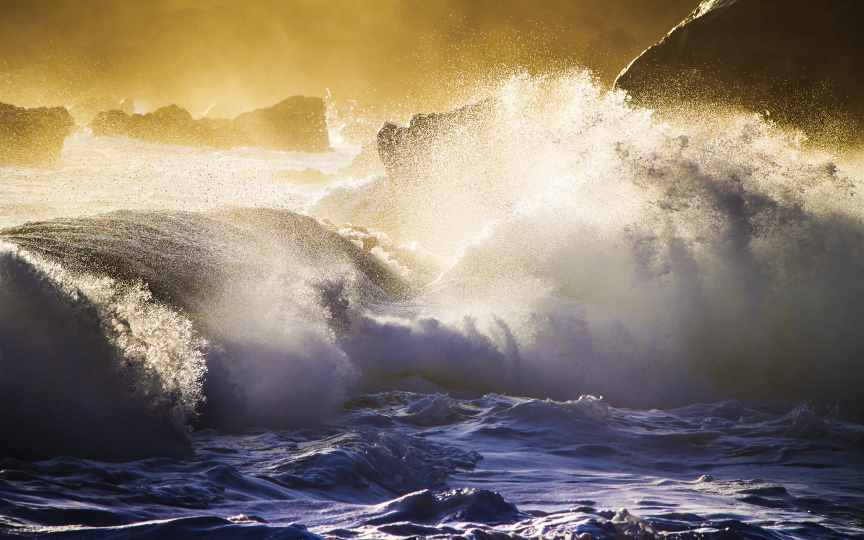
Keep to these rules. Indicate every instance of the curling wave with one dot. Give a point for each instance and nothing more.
(564, 243)
(120, 331)
(586, 246)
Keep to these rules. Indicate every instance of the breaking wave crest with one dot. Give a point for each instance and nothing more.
(87, 368)
(586, 246)
(127, 325)
(557, 243)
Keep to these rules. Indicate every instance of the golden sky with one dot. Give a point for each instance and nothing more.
(418, 53)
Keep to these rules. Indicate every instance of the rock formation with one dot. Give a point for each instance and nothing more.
(296, 124)
(798, 60)
(84, 111)
(32, 137)
(166, 125)
(400, 147)
(439, 159)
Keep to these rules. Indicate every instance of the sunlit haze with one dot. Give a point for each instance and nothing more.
(419, 269)
(408, 54)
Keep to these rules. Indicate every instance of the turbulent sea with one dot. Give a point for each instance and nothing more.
(573, 319)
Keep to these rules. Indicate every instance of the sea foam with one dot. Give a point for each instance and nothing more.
(588, 246)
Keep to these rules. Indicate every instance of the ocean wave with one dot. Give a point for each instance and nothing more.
(545, 465)
(223, 320)
(588, 247)
(380, 464)
(89, 369)
(568, 244)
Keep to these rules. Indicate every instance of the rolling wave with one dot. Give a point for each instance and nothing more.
(567, 244)
(587, 246)
(120, 331)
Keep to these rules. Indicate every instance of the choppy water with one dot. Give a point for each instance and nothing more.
(192, 346)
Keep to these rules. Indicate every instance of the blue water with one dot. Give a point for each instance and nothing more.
(398, 464)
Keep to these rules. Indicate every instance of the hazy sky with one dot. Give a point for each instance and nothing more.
(417, 53)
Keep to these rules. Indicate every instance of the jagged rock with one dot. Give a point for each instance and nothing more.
(166, 125)
(112, 122)
(800, 61)
(32, 137)
(445, 151)
(170, 125)
(296, 124)
(400, 147)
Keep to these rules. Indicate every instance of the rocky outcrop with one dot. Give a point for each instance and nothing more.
(32, 137)
(798, 60)
(84, 111)
(401, 148)
(296, 124)
(166, 125)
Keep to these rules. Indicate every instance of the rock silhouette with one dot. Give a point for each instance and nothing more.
(799, 61)
(403, 148)
(296, 124)
(32, 137)
(84, 111)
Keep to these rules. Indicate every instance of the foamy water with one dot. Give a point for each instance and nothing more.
(99, 174)
(416, 356)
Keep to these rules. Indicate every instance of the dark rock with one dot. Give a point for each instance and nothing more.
(32, 137)
(166, 125)
(85, 110)
(112, 122)
(296, 124)
(171, 125)
(458, 152)
(798, 60)
(401, 148)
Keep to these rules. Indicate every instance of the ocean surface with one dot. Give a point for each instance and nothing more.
(572, 319)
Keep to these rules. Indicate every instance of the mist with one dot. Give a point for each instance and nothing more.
(402, 56)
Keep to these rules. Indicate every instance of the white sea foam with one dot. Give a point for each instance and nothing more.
(589, 247)
(571, 247)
